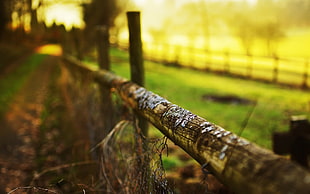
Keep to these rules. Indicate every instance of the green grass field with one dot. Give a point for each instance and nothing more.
(275, 104)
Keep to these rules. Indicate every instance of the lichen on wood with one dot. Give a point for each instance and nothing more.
(147, 99)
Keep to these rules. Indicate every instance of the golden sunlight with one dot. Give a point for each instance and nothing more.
(203, 24)
(50, 49)
(68, 14)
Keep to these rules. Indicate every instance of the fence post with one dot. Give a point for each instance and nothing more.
(305, 80)
(208, 61)
(137, 76)
(65, 42)
(102, 33)
(190, 56)
(250, 65)
(164, 54)
(295, 142)
(177, 52)
(275, 69)
(227, 61)
(77, 43)
(136, 58)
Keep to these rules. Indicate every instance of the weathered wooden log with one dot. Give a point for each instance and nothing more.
(243, 166)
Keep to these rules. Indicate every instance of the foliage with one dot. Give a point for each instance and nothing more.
(295, 13)
(108, 12)
(3, 17)
(105, 16)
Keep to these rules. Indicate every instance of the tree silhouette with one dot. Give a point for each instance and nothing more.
(100, 13)
(4, 16)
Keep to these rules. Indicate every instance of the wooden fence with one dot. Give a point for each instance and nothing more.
(238, 163)
(286, 71)
(241, 165)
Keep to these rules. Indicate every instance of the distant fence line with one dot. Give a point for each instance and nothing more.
(280, 70)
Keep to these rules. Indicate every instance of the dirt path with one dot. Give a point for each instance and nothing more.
(20, 128)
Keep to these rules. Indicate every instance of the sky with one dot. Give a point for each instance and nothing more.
(70, 15)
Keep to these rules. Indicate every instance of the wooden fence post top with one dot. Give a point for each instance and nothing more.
(133, 12)
(300, 125)
(298, 117)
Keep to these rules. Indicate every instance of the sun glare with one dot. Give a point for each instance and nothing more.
(50, 49)
(69, 15)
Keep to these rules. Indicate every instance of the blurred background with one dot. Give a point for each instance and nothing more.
(242, 64)
(261, 27)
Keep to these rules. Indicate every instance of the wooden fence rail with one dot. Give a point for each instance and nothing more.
(241, 165)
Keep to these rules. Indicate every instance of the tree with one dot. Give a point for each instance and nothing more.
(100, 13)
(261, 22)
(242, 24)
(295, 13)
(246, 33)
(33, 15)
(271, 33)
(269, 27)
(3, 17)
